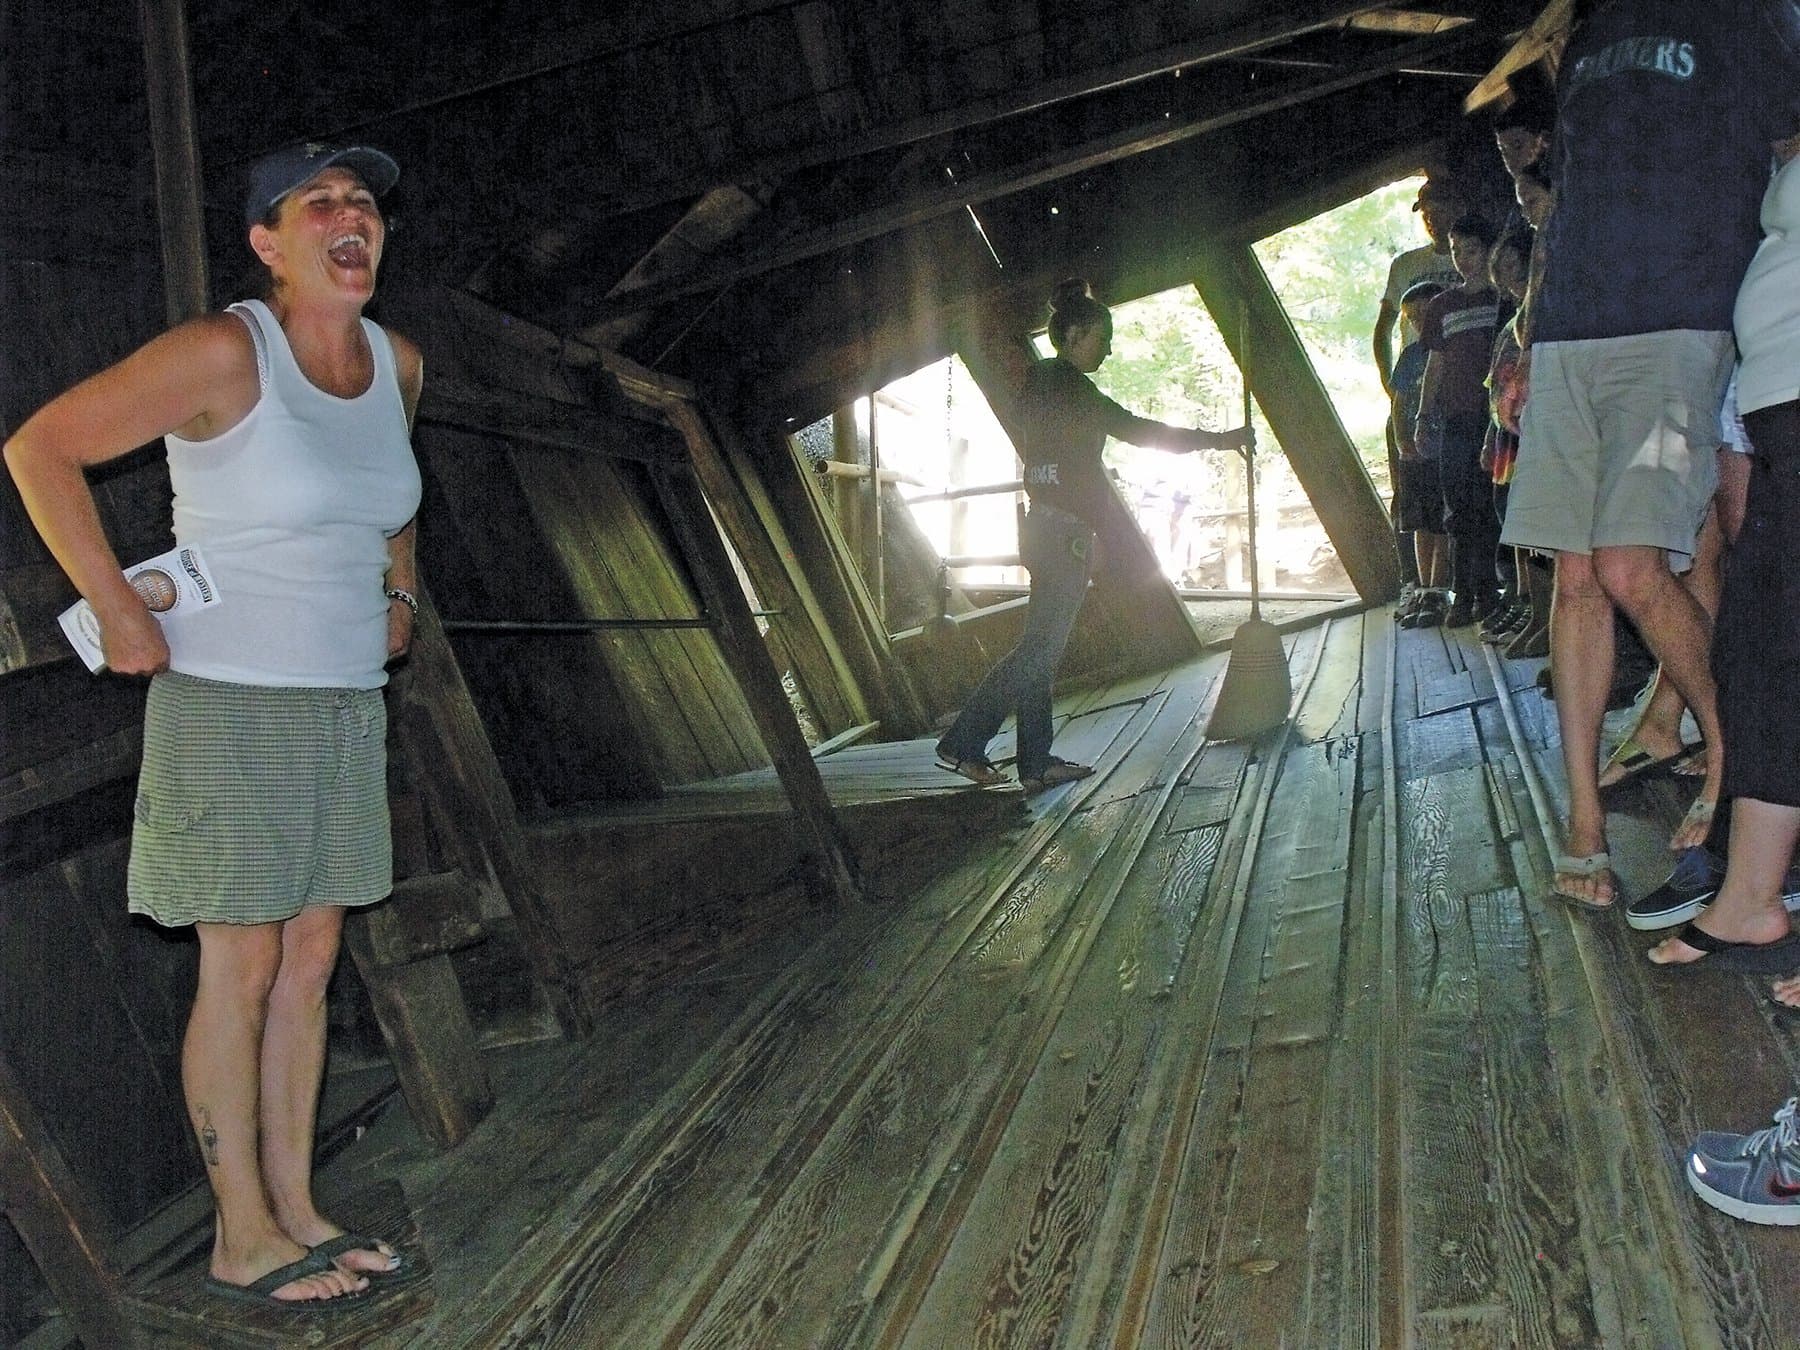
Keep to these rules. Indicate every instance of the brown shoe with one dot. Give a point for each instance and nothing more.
(1055, 774)
(977, 769)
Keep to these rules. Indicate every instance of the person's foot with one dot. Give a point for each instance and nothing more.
(1646, 748)
(977, 769)
(1689, 888)
(1760, 930)
(1531, 642)
(1785, 993)
(1460, 614)
(1584, 871)
(1428, 613)
(1755, 1176)
(362, 1256)
(1055, 774)
(1505, 625)
(1696, 826)
(242, 1270)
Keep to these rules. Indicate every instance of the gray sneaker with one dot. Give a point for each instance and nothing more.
(1754, 1177)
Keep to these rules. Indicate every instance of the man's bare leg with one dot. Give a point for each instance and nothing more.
(1581, 653)
(1658, 728)
(1434, 565)
(1678, 633)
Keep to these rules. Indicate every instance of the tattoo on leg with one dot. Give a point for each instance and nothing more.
(209, 1137)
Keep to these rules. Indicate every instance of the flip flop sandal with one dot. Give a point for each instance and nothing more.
(1585, 865)
(262, 1291)
(1055, 774)
(1780, 957)
(1635, 763)
(1699, 814)
(344, 1243)
(978, 770)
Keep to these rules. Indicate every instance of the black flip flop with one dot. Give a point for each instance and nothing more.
(1780, 957)
(1640, 766)
(262, 1292)
(344, 1243)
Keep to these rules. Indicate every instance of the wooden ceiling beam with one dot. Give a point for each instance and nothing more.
(1544, 39)
(740, 153)
(1064, 162)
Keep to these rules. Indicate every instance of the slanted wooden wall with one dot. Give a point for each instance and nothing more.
(91, 1006)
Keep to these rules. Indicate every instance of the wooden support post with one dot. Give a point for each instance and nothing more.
(177, 153)
(401, 949)
(459, 782)
(425, 1023)
(796, 497)
(58, 1220)
(1325, 460)
(834, 871)
(809, 550)
(822, 673)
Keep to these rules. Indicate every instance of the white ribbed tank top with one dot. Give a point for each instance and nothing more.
(292, 508)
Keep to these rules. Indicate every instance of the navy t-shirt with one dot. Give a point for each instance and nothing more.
(1066, 421)
(1665, 111)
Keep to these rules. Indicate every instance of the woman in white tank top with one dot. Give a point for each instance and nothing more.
(287, 425)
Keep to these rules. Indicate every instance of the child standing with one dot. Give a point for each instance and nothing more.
(1418, 496)
(1458, 333)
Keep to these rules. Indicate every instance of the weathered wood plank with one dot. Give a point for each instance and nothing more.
(454, 773)
(1235, 1268)
(429, 1039)
(1649, 1280)
(1350, 1276)
(56, 1216)
(946, 1154)
(1438, 745)
(1330, 709)
(807, 648)
(429, 915)
(830, 867)
(1027, 1246)
(1450, 1190)
(616, 1237)
(564, 713)
(1535, 1218)
(598, 529)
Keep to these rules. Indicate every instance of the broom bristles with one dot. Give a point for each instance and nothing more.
(1257, 688)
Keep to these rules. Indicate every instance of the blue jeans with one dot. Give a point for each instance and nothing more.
(1058, 549)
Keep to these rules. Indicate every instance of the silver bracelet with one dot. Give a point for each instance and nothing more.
(406, 598)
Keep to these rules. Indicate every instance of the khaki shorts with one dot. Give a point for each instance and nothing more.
(254, 802)
(1618, 443)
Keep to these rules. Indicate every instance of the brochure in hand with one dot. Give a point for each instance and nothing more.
(170, 581)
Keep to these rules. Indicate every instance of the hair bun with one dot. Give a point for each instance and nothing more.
(1070, 291)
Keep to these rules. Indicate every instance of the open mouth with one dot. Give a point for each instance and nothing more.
(349, 250)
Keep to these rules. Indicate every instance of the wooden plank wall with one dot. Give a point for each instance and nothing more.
(74, 972)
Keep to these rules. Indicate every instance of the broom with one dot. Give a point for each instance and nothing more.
(1257, 689)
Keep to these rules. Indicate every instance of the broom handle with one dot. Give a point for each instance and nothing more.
(1249, 455)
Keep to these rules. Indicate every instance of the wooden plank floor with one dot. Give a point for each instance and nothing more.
(1270, 1044)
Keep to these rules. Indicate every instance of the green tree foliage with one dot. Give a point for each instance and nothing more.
(1169, 361)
